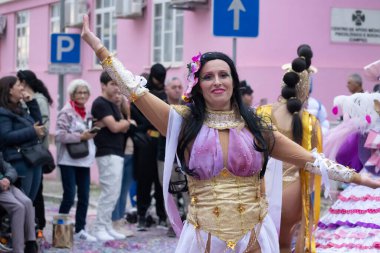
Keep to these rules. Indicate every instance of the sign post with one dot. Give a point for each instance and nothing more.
(61, 77)
(236, 18)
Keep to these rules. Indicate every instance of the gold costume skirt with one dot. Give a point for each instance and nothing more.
(226, 206)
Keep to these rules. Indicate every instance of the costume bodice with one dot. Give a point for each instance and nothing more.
(206, 158)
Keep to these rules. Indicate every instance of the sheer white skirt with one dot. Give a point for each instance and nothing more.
(194, 241)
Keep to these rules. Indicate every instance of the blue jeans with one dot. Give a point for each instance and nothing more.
(72, 178)
(30, 177)
(119, 211)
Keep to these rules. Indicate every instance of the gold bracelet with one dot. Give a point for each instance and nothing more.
(100, 51)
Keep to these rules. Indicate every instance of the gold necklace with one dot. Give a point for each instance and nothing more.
(222, 120)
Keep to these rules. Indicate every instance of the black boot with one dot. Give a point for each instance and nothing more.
(141, 226)
(31, 247)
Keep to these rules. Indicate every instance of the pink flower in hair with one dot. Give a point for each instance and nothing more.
(193, 68)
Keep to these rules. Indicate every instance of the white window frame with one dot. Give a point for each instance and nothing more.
(113, 27)
(55, 21)
(22, 58)
(175, 29)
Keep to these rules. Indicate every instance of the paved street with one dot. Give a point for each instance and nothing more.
(154, 240)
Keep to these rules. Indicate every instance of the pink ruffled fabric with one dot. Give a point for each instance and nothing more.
(362, 198)
(352, 211)
(352, 224)
(349, 246)
(339, 234)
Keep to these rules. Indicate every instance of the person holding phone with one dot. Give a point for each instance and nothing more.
(20, 128)
(74, 125)
(38, 91)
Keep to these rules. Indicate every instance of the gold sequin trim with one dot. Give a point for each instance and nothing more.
(107, 62)
(241, 208)
(225, 173)
(182, 110)
(222, 120)
(216, 211)
(193, 200)
(231, 245)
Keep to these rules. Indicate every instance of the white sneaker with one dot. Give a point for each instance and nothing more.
(120, 226)
(83, 235)
(115, 234)
(103, 235)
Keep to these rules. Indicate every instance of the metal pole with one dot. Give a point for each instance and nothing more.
(61, 77)
(234, 50)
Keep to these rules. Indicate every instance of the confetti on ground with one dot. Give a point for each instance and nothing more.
(153, 240)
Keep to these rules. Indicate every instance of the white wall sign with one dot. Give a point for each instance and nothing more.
(355, 25)
(64, 69)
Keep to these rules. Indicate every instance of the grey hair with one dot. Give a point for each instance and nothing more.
(356, 78)
(173, 79)
(74, 84)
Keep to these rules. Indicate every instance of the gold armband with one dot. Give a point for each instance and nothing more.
(102, 53)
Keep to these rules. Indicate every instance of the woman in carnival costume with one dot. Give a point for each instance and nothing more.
(223, 148)
(298, 185)
(352, 224)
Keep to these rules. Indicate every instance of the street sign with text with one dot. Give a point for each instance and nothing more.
(236, 18)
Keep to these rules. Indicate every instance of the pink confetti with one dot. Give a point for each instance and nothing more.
(368, 119)
(335, 110)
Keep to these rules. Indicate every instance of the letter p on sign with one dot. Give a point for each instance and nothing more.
(65, 48)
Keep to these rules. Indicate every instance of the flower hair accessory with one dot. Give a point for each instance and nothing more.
(193, 68)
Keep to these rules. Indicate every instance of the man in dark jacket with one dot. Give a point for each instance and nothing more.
(145, 155)
(19, 208)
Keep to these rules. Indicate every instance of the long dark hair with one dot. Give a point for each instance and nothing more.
(192, 124)
(34, 83)
(289, 91)
(6, 84)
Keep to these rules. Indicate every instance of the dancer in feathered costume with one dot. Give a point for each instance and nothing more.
(352, 224)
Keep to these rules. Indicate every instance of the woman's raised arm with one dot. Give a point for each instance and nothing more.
(153, 108)
(288, 151)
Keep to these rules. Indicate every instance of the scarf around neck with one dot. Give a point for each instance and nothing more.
(80, 110)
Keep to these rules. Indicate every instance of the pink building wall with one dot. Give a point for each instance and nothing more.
(283, 26)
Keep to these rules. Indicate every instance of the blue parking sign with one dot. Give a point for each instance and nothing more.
(236, 18)
(65, 48)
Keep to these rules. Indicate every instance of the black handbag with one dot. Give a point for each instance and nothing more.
(180, 184)
(49, 166)
(36, 155)
(78, 150)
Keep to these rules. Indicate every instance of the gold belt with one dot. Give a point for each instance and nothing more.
(153, 133)
(226, 206)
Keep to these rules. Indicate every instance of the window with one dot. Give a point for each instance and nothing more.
(168, 33)
(22, 39)
(105, 24)
(55, 12)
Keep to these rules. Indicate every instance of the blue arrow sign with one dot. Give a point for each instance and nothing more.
(236, 18)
